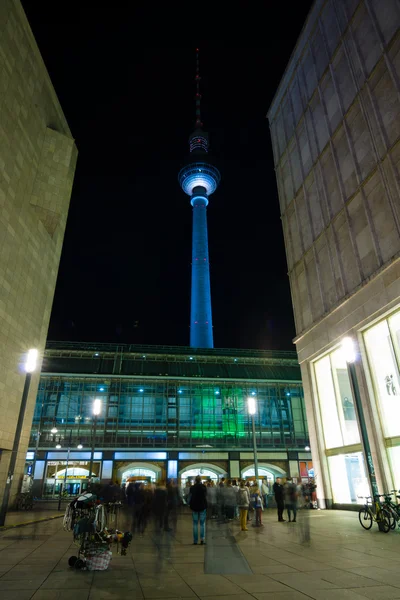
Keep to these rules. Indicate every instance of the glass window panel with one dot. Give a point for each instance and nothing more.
(327, 400)
(394, 457)
(348, 478)
(345, 401)
(385, 374)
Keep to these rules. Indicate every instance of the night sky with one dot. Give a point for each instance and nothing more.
(124, 75)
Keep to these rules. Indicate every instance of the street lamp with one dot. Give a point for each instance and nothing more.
(96, 411)
(349, 353)
(29, 367)
(252, 408)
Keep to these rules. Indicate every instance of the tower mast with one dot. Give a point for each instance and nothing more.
(199, 179)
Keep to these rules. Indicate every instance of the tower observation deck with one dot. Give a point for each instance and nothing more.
(199, 179)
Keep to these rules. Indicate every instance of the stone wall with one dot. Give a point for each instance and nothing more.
(335, 128)
(37, 165)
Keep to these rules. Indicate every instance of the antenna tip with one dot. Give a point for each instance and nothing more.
(197, 49)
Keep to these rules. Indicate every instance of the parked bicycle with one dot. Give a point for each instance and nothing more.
(392, 507)
(374, 512)
(24, 501)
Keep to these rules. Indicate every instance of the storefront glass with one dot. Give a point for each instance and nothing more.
(348, 478)
(74, 479)
(394, 457)
(336, 401)
(382, 342)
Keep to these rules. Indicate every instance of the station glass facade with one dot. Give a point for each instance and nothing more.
(148, 413)
(165, 412)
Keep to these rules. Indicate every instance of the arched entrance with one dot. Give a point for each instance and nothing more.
(271, 472)
(205, 470)
(137, 469)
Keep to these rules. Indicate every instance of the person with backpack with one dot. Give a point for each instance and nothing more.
(290, 493)
(198, 504)
(243, 500)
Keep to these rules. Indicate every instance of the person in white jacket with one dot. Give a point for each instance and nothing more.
(265, 490)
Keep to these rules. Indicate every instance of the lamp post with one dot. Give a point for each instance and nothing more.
(30, 366)
(350, 356)
(252, 408)
(96, 411)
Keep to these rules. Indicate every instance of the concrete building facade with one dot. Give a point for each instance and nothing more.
(37, 165)
(335, 129)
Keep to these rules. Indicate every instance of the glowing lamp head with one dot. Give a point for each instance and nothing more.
(54, 430)
(251, 405)
(349, 350)
(79, 446)
(96, 407)
(31, 360)
(307, 448)
(58, 446)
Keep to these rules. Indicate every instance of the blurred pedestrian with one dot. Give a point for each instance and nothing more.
(250, 509)
(230, 501)
(290, 495)
(173, 502)
(160, 500)
(243, 498)
(235, 486)
(137, 499)
(198, 505)
(258, 508)
(265, 489)
(212, 499)
(278, 493)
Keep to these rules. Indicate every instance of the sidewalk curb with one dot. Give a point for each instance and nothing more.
(29, 523)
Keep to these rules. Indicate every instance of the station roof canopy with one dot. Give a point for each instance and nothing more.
(169, 361)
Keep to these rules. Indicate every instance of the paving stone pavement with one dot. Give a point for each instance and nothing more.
(326, 555)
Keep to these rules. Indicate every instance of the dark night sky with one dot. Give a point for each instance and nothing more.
(124, 75)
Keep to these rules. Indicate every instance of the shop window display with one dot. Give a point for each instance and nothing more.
(394, 457)
(348, 478)
(336, 401)
(385, 373)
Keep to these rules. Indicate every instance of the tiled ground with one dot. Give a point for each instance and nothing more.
(340, 561)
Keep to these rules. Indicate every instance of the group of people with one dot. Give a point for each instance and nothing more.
(226, 500)
(293, 496)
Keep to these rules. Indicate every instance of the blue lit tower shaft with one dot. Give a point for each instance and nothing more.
(201, 333)
(199, 179)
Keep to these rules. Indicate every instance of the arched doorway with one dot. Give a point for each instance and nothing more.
(145, 470)
(205, 470)
(271, 472)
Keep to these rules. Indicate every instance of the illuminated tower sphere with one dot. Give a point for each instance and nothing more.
(199, 179)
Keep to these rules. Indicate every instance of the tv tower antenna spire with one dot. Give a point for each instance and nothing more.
(199, 124)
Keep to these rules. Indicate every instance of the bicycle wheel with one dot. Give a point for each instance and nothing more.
(365, 518)
(384, 520)
(393, 518)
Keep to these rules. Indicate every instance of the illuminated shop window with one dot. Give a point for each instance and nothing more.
(394, 458)
(381, 342)
(348, 478)
(336, 401)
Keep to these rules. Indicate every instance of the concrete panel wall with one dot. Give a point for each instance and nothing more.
(37, 164)
(335, 129)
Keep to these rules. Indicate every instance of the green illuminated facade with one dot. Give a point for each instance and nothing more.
(169, 399)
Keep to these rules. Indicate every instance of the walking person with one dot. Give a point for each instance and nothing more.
(243, 499)
(258, 507)
(265, 491)
(290, 495)
(230, 501)
(198, 505)
(278, 493)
